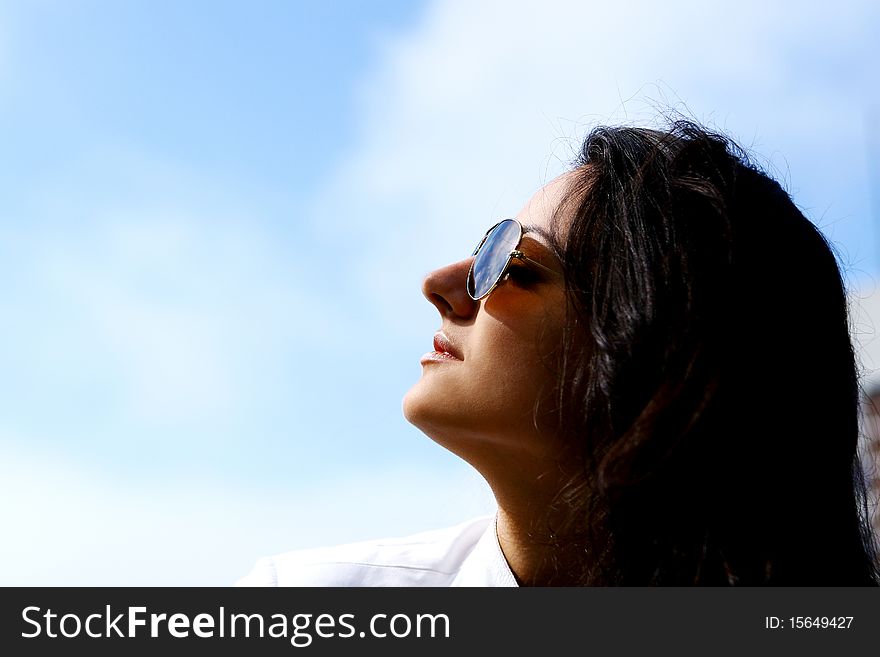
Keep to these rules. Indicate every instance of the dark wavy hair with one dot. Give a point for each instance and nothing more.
(708, 382)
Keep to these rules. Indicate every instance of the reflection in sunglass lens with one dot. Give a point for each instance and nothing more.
(493, 257)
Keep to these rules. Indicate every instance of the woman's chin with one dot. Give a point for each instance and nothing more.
(417, 405)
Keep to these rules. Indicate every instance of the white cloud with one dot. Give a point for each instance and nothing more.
(162, 287)
(69, 525)
(485, 101)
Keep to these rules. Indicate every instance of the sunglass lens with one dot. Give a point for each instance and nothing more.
(492, 258)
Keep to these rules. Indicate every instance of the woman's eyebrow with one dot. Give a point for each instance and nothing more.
(531, 228)
(549, 240)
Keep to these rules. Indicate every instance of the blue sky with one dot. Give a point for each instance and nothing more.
(149, 142)
(199, 82)
(215, 218)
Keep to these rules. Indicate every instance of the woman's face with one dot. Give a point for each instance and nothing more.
(480, 402)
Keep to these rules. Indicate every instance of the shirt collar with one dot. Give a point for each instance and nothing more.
(486, 565)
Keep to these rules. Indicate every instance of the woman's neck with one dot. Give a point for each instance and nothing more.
(535, 554)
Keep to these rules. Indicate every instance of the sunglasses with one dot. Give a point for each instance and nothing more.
(493, 256)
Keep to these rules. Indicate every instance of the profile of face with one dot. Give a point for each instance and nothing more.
(478, 399)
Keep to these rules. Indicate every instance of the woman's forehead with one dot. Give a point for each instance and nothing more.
(539, 210)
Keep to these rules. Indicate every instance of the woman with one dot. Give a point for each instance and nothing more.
(652, 369)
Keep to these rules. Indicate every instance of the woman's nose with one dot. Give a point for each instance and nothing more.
(446, 288)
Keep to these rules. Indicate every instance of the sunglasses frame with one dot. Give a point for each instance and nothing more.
(515, 253)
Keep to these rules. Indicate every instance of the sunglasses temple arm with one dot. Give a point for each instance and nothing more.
(521, 256)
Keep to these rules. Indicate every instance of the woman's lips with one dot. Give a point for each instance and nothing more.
(443, 350)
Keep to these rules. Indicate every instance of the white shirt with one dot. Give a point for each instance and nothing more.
(464, 555)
